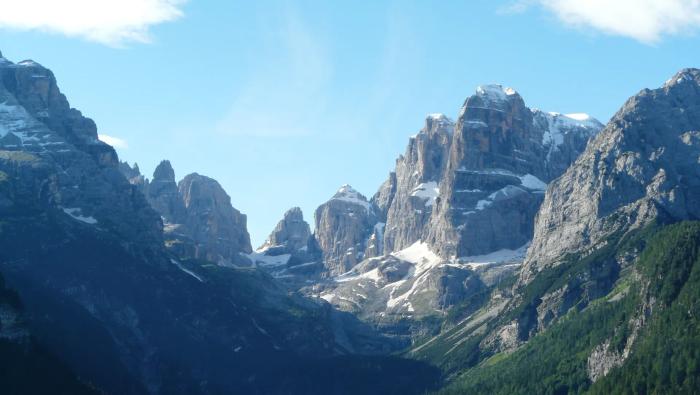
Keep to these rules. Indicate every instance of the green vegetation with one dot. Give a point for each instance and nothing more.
(665, 357)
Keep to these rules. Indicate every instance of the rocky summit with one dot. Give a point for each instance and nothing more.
(615, 245)
(502, 157)
(643, 166)
(417, 180)
(198, 218)
(343, 225)
(454, 217)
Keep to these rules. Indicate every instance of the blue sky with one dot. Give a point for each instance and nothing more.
(284, 101)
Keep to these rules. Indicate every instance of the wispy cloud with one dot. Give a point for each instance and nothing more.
(115, 142)
(647, 21)
(286, 94)
(110, 22)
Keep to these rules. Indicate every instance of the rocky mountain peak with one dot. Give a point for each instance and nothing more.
(34, 90)
(682, 77)
(163, 195)
(343, 225)
(437, 122)
(493, 96)
(198, 219)
(294, 214)
(564, 137)
(495, 92)
(129, 171)
(133, 174)
(164, 172)
(347, 193)
(292, 233)
(219, 229)
(417, 184)
(501, 157)
(643, 166)
(29, 63)
(346, 190)
(50, 146)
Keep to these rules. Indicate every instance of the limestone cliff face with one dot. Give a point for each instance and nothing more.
(34, 87)
(50, 153)
(384, 197)
(163, 195)
(642, 166)
(218, 229)
(456, 214)
(292, 233)
(469, 188)
(501, 157)
(198, 218)
(290, 252)
(343, 225)
(133, 174)
(418, 175)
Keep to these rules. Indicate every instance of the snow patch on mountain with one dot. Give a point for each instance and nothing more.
(561, 124)
(373, 275)
(419, 253)
(184, 269)
(424, 259)
(428, 191)
(504, 256)
(76, 214)
(531, 182)
(347, 193)
(259, 258)
(494, 92)
(13, 118)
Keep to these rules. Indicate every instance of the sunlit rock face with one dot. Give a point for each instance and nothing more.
(642, 166)
(501, 158)
(343, 225)
(417, 177)
(454, 217)
(218, 229)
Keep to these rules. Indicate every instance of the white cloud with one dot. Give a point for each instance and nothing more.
(115, 142)
(646, 21)
(111, 22)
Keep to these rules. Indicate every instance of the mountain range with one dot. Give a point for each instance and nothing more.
(510, 250)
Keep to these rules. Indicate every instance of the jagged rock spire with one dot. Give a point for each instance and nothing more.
(164, 172)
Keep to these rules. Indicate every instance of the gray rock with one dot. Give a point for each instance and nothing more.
(290, 252)
(343, 226)
(501, 157)
(163, 194)
(48, 148)
(642, 166)
(292, 233)
(418, 175)
(129, 171)
(34, 88)
(384, 197)
(198, 219)
(218, 229)
(467, 189)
